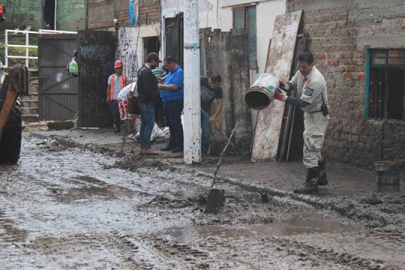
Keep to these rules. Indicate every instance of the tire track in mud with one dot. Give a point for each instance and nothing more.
(306, 252)
(175, 197)
(160, 253)
(367, 215)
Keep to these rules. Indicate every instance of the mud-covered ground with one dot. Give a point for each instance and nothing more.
(75, 209)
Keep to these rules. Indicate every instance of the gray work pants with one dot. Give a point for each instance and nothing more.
(314, 134)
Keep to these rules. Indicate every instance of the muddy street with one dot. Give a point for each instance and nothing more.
(68, 208)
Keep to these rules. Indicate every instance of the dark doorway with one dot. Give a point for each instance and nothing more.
(151, 44)
(174, 38)
(49, 14)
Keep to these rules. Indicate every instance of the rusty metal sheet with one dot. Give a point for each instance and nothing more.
(279, 61)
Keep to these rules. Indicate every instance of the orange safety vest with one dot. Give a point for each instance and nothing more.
(123, 82)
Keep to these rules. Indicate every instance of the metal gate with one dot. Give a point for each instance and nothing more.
(96, 63)
(58, 91)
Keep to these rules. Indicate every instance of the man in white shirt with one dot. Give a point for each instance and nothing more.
(122, 99)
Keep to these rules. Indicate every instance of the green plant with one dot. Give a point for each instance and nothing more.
(33, 64)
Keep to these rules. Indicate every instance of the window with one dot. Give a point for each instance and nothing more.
(245, 18)
(386, 84)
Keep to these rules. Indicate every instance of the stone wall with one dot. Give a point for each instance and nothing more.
(340, 32)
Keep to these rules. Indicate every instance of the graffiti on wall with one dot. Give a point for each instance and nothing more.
(129, 50)
(97, 55)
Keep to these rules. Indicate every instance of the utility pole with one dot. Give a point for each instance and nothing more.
(192, 104)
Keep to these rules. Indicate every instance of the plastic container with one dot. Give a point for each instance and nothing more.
(388, 175)
(261, 93)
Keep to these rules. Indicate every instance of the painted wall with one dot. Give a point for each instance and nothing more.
(221, 17)
(19, 13)
(71, 15)
(266, 12)
(130, 47)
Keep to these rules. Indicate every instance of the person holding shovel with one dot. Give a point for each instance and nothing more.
(210, 90)
(313, 100)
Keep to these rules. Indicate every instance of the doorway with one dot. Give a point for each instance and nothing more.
(49, 14)
(151, 44)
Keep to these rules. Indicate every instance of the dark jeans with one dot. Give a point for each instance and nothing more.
(205, 132)
(115, 113)
(173, 109)
(147, 123)
(159, 112)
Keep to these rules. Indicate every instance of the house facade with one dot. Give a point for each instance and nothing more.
(359, 46)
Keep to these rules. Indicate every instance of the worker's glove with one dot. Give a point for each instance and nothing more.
(282, 85)
(286, 87)
(280, 95)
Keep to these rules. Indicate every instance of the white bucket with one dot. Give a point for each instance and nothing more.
(261, 93)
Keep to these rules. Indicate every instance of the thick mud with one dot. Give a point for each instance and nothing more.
(69, 208)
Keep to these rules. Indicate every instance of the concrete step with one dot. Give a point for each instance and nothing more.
(29, 98)
(29, 103)
(30, 118)
(29, 110)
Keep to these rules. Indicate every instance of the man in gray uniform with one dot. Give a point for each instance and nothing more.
(313, 100)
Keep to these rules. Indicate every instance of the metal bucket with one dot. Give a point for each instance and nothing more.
(261, 93)
(388, 175)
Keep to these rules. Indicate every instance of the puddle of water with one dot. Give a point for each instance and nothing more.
(282, 228)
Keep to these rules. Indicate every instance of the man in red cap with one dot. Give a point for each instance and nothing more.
(116, 82)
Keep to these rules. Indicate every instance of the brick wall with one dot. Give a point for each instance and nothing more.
(101, 13)
(338, 38)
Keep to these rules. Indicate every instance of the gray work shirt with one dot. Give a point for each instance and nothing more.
(117, 85)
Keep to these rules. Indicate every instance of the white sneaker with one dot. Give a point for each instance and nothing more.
(131, 136)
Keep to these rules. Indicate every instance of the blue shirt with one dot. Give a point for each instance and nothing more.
(177, 78)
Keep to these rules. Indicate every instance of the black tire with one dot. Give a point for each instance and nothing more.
(10, 144)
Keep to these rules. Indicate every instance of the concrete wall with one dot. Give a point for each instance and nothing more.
(340, 31)
(226, 54)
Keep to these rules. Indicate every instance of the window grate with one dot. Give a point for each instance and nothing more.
(387, 75)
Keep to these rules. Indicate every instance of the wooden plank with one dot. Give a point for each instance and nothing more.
(270, 120)
(289, 122)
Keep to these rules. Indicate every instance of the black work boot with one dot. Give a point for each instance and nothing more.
(323, 180)
(310, 185)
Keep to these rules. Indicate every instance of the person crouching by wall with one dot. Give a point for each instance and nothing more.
(148, 92)
(116, 82)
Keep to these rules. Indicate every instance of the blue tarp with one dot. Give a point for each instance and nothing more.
(133, 8)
